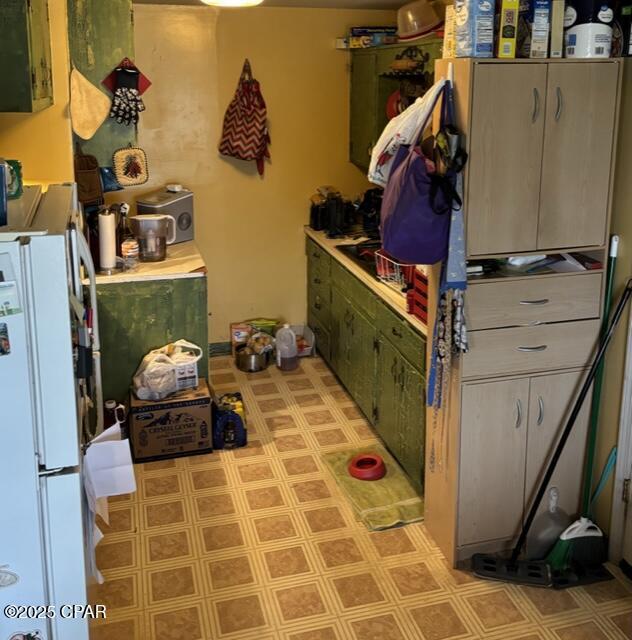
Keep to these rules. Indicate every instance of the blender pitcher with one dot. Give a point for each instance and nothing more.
(154, 233)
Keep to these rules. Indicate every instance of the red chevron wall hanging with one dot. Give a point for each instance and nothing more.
(245, 131)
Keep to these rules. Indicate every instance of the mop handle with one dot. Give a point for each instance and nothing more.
(605, 341)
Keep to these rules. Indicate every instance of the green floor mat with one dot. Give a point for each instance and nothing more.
(383, 503)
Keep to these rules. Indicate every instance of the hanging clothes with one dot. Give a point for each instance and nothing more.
(401, 130)
(450, 328)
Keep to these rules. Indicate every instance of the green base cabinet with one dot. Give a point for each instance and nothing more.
(374, 352)
(136, 317)
(27, 81)
(373, 82)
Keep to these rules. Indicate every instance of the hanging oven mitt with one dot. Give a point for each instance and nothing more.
(126, 102)
(89, 106)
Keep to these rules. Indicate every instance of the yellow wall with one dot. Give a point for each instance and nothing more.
(615, 361)
(249, 228)
(42, 141)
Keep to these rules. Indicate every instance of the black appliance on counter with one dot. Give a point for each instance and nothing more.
(370, 207)
(331, 212)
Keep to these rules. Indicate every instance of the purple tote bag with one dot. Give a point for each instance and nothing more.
(416, 209)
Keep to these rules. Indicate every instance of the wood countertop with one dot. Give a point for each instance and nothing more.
(183, 261)
(394, 300)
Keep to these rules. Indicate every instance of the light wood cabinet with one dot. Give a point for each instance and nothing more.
(540, 138)
(507, 134)
(577, 157)
(542, 135)
(493, 453)
(549, 407)
(509, 430)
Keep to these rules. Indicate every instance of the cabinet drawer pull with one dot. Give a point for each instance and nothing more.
(540, 410)
(318, 306)
(317, 281)
(316, 255)
(402, 378)
(536, 105)
(560, 104)
(393, 368)
(540, 347)
(518, 413)
(396, 333)
(535, 302)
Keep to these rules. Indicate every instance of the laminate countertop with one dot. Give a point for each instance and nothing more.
(392, 298)
(183, 261)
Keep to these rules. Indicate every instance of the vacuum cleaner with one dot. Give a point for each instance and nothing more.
(541, 573)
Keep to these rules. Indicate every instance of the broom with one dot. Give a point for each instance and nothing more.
(582, 544)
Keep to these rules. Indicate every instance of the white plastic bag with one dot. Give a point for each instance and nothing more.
(167, 370)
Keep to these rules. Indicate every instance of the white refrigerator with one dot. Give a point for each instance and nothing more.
(47, 384)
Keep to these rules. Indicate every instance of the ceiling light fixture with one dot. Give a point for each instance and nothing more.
(233, 3)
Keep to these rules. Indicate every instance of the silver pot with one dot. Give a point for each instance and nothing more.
(252, 362)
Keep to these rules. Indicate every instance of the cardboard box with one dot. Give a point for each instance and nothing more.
(449, 41)
(474, 28)
(557, 28)
(533, 28)
(508, 28)
(176, 426)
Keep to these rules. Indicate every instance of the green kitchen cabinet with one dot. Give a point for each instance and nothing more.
(387, 396)
(25, 53)
(136, 317)
(361, 358)
(373, 81)
(413, 422)
(376, 354)
(400, 409)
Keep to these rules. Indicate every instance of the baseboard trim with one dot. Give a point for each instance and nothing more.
(219, 349)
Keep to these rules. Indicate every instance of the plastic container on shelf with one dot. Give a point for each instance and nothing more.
(287, 351)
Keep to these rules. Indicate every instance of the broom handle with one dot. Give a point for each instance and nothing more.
(605, 341)
(596, 396)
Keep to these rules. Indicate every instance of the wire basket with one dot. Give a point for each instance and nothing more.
(396, 275)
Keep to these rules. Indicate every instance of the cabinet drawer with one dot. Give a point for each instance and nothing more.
(399, 332)
(531, 300)
(319, 305)
(353, 289)
(525, 349)
(323, 337)
(318, 259)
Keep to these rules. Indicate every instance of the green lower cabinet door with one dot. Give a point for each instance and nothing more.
(362, 361)
(413, 422)
(388, 397)
(339, 347)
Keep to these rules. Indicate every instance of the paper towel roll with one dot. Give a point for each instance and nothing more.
(107, 241)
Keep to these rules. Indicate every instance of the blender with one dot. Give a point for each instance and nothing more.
(154, 233)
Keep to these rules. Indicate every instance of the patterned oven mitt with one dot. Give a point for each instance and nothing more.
(126, 102)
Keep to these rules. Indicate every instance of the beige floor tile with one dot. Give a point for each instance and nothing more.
(259, 543)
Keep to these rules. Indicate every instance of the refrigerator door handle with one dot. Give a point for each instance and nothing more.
(86, 258)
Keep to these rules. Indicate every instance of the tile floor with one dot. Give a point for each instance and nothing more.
(259, 543)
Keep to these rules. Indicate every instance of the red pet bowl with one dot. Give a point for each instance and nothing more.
(367, 466)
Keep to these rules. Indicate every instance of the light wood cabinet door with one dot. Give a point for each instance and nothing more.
(576, 162)
(550, 403)
(493, 452)
(506, 151)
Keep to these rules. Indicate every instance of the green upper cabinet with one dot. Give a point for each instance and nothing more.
(363, 124)
(373, 81)
(27, 82)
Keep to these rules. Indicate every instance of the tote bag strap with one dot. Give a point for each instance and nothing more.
(424, 124)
